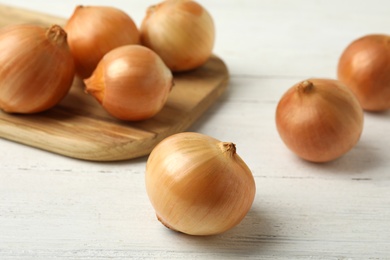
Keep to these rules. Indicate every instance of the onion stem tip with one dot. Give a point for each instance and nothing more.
(228, 147)
(305, 86)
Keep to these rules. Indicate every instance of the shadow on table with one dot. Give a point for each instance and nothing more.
(250, 236)
(362, 159)
(367, 155)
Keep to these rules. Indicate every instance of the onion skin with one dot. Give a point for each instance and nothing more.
(95, 30)
(364, 67)
(319, 119)
(131, 82)
(198, 185)
(36, 68)
(181, 32)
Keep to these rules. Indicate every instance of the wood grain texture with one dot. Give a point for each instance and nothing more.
(13, 15)
(79, 128)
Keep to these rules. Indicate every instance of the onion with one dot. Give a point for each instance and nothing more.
(95, 30)
(36, 68)
(198, 185)
(131, 82)
(319, 119)
(364, 67)
(180, 31)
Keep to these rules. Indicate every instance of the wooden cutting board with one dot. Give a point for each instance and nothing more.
(78, 127)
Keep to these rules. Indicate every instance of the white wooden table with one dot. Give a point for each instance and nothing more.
(54, 207)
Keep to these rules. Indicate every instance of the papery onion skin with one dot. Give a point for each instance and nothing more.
(319, 119)
(181, 32)
(131, 82)
(36, 68)
(364, 67)
(95, 30)
(198, 185)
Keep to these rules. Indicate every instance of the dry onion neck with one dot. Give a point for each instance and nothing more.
(152, 9)
(228, 147)
(305, 86)
(56, 34)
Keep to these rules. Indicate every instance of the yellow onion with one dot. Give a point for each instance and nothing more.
(198, 185)
(36, 68)
(180, 31)
(319, 119)
(95, 30)
(131, 82)
(364, 67)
